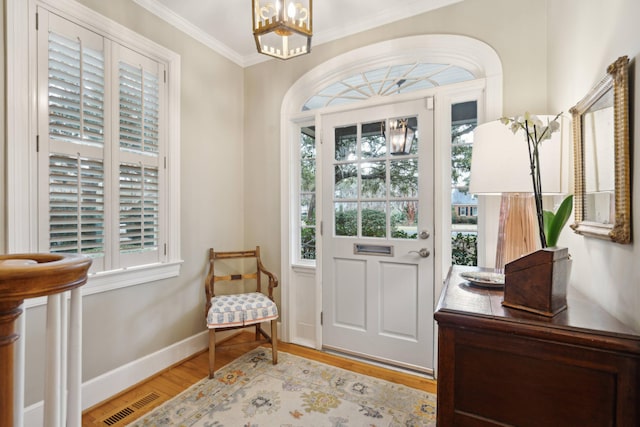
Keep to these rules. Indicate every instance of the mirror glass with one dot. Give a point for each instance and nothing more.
(599, 158)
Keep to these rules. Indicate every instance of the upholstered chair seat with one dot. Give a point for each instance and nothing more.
(240, 310)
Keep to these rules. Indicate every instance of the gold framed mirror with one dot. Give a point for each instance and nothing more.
(602, 200)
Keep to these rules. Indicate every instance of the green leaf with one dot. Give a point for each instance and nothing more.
(554, 224)
(547, 219)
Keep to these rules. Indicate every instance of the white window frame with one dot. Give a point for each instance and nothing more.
(22, 199)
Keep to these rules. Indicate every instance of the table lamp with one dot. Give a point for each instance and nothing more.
(500, 165)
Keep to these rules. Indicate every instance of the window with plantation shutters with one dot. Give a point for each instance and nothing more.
(101, 153)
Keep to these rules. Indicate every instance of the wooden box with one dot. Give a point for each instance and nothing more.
(537, 282)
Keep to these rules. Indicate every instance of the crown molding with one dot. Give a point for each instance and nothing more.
(188, 28)
(408, 9)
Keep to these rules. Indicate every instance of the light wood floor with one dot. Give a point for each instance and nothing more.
(133, 403)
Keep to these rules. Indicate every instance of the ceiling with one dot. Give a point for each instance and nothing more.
(225, 26)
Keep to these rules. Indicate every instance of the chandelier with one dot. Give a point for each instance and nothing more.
(282, 28)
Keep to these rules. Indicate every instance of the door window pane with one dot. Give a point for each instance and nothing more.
(346, 181)
(373, 176)
(374, 219)
(404, 219)
(404, 178)
(346, 143)
(373, 143)
(346, 219)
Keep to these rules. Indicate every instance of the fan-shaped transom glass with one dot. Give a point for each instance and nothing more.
(385, 81)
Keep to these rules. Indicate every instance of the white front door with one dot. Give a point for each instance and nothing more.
(378, 217)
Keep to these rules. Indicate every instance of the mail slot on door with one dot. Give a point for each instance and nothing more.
(380, 250)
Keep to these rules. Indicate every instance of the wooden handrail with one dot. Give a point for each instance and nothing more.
(28, 276)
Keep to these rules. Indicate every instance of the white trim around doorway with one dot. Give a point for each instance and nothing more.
(301, 284)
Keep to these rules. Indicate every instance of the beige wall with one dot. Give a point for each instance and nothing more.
(230, 189)
(583, 41)
(124, 325)
(515, 29)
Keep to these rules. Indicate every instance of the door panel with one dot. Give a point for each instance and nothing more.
(350, 293)
(399, 284)
(377, 288)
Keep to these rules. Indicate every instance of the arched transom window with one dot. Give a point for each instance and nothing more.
(385, 81)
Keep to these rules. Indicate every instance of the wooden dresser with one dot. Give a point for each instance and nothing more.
(499, 366)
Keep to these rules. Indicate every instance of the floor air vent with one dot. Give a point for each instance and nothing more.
(141, 403)
(121, 417)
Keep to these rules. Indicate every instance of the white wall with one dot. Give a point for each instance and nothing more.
(584, 38)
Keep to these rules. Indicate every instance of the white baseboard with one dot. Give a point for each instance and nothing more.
(110, 383)
(113, 382)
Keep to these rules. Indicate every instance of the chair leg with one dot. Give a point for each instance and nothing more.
(274, 341)
(257, 331)
(212, 352)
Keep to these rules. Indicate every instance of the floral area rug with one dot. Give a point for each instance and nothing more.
(252, 392)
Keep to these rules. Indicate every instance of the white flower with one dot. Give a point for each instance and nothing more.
(533, 126)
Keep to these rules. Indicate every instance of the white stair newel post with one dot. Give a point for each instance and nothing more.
(74, 402)
(52, 395)
(19, 371)
(64, 356)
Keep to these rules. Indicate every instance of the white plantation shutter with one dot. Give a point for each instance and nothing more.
(139, 99)
(139, 202)
(76, 205)
(76, 91)
(102, 162)
(139, 109)
(72, 154)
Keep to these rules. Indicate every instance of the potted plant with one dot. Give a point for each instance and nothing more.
(537, 282)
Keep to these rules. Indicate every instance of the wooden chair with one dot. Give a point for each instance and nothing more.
(239, 309)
